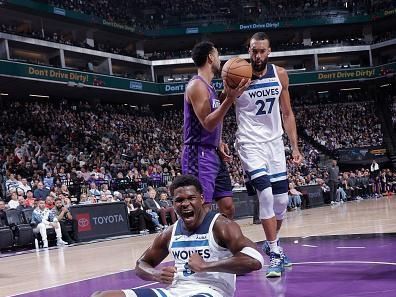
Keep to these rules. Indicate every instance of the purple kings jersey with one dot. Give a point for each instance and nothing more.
(194, 132)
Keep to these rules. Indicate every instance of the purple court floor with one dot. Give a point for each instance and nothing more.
(334, 266)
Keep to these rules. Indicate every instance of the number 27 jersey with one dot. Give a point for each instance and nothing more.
(258, 109)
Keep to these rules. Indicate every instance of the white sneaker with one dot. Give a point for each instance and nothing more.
(45, 243)
(60, 242)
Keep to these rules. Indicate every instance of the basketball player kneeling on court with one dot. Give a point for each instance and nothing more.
(208, 250)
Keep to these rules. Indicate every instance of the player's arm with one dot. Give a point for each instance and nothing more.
(245, 257)
(198, 96)
(289, 121)
(152, 257)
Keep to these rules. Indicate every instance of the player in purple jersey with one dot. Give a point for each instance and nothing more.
(204, 153)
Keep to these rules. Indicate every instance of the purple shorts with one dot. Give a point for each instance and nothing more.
(204, 162)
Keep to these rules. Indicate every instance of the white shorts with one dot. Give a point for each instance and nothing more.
(197, 291)
(266, 158)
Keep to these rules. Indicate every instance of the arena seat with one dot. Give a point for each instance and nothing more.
(23, 233)
(6, 237)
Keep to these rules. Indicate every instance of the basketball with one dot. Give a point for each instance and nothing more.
(234, 70)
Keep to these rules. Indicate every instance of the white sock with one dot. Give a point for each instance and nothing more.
(274, 246)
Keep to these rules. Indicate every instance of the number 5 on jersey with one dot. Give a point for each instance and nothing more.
(262, 106)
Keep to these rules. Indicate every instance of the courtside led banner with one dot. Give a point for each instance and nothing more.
(100, 220)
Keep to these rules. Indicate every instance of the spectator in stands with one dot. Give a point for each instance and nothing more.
(105, 190)
(139, 203)
(23, 185)
(103, 199)
(152, 203)
(155, 178)
(294, 197)
(41, 192)
(167, 205)
(341, 195)
(352, 187)
(145, 222)
(11, 182)
(326, 192)
(94, 191)
(22, 204)
(43, 219)
(49, 202)
(48, 180)
(65, 200)
(64, 217)
(13, 203)
(92, 199)
(64, 190)
(29, 198)
(84, 199)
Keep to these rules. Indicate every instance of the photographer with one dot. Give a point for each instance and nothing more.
(64, 218)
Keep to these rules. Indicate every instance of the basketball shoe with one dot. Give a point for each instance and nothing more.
(275, 267)
(285, 259)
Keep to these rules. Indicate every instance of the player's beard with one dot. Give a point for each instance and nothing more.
(215, 69)
(261, 67)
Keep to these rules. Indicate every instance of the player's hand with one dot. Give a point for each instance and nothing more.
(297, 157)
(236, 92)
(225, 152)
(196, 263)
(167, 274)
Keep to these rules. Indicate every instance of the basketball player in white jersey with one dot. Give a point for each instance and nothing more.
(260, 111)
(207, 248)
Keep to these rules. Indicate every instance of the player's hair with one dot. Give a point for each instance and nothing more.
(185, 181)
(201, 51)
(259, 36)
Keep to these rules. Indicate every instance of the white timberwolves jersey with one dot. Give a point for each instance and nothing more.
(258, 109)
(183, 244)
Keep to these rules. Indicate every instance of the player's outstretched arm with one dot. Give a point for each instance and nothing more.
(152, 257)
(245, 257)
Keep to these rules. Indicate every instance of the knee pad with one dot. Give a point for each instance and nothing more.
(261, 183)
(266, 204)
(280, 205)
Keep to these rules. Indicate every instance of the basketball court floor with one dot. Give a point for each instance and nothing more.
(344, 250)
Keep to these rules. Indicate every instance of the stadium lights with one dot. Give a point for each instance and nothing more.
(350, 89)
(322, 92)
(39, 96)
(3, 94)
(385, 85)
(168, 104)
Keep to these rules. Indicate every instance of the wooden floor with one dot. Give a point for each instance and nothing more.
(49, 268)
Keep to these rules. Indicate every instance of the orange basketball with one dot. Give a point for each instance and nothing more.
(234, 70)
